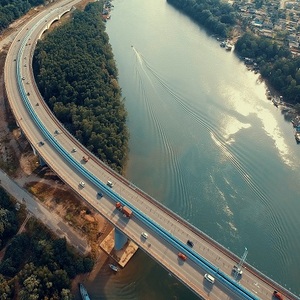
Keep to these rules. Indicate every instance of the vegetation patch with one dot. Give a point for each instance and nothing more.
(12, 10)
(36, 265)
(10, 218)
(276, 64)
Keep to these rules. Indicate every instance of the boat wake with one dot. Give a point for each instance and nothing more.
(149, 92)
(201, 119)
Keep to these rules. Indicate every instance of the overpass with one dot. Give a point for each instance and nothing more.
(168, 233)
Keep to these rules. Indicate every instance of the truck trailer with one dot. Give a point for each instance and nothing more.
(127, 212)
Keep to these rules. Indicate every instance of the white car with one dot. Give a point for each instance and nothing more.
(81, 183)
(110, 184)
(237, 270)
(144, 235)
(209, 278)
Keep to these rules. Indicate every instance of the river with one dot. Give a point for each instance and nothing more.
(205, 142)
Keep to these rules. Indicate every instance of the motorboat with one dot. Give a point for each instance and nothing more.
(114, 268)
(83, 292)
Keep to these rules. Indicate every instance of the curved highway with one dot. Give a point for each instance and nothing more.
(167, 232)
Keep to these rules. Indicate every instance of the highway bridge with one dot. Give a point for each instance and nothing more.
(167, 232)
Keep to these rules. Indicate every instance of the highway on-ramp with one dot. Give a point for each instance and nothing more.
(167, 232)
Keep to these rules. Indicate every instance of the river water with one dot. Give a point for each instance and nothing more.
(205, 142)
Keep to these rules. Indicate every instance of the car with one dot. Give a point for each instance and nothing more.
(42, 143)
(237, 270)
(110, 184)
(190, 243)
(100, 194)
(74, 150)
(277, 295)
(144, 235)
(209, 278)
(56, 132)
(182, 256)
(81, 183)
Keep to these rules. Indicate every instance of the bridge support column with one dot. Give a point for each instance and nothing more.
(42, 162)
(120, 239)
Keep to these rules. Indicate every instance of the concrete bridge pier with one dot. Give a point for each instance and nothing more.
(120, 239)
(41, 161)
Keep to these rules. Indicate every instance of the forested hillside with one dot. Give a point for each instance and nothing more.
(9, 222)
(76, 74)
(216, 16)
(10, 10)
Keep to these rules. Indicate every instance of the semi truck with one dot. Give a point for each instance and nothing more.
(127, 212)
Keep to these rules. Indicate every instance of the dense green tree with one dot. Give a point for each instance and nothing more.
(8, 224)
(76, 74)
(5, 289)
(276, 64)
(11, 10)
(5, 200)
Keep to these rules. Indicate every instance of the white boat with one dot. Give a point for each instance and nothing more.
(228, 47)
(114, 268)
(83, 292)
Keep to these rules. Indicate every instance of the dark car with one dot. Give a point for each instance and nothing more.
(99, 194)
(190, 243)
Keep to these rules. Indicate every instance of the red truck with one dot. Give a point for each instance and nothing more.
(277, 295)
(127, 212)
(182, 256)
(85, 158)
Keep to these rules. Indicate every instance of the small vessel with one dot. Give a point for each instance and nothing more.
(297, 137)
(276, 102)
(114, 268)
(223, 44)
(83, 292)
(228, 47)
